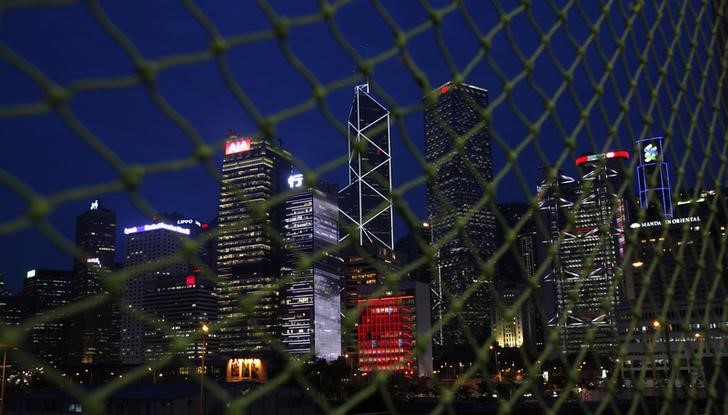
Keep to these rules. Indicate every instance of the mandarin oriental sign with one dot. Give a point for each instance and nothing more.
(675, 221)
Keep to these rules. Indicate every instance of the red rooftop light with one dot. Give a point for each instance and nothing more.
(190, 280)
(609, 155)
(444, 89)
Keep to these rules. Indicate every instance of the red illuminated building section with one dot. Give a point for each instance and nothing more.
(386, 335)
(237, 146)
(610, 155)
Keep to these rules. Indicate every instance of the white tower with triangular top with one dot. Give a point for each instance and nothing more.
(365, 202)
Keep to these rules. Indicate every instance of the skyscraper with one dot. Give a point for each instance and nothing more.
(311, 306)
(44, 290)
(585, 219)
(145, 245)
(93, 336)
(365, 202)
(455, 193)
(247, 253)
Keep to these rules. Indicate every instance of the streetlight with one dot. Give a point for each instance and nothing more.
(497, 370)
(205, 330)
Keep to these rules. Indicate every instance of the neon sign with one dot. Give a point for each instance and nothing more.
(189, 222)
(190, 280)
(654, 223)
(295, 180)
(30, 274)
(237, 146)
(650, 152)
(610, 155)
(94, 205)
(155, 226)
(653, 177)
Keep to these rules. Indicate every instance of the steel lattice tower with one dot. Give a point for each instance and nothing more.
(365, 202)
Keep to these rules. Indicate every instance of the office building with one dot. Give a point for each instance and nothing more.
(93, 335)
(365, 202)
(458, 142)
(507, 319)
(149, 256)
(182, 304)
(311, 309)
(391, 323)
(45, 290)
(585, 220)
(679, 283)
(10, 306)
(412, 249)
(361, 271)
(247, 254)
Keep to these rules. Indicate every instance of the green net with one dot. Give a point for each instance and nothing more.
(573, 301)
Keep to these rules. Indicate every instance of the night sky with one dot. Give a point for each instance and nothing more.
(67, 44)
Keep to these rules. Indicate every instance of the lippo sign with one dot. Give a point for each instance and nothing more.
(655, 223)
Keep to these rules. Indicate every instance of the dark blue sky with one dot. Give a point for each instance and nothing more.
(67, 44)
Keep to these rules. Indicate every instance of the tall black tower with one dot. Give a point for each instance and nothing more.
(94, 334)
(457, 140)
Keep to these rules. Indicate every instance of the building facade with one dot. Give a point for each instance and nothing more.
(149, 249)
(391, 323)
(183, 304)
(247, 254)
(45, 290)
(412, 248)
(94, 334)
(585, 221)
(311, 304)
(456, 192)
(361, 271)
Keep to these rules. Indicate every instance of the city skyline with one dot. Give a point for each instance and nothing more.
(460, 206)
(130, 119)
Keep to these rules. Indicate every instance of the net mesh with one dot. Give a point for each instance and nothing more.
(571, 73)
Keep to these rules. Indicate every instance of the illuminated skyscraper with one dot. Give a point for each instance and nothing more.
(585, 220)
(93, 336)
(247, 254)
(311, 310)
(145, 245)
(45, 290)
(453, 195)
(365, 202)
